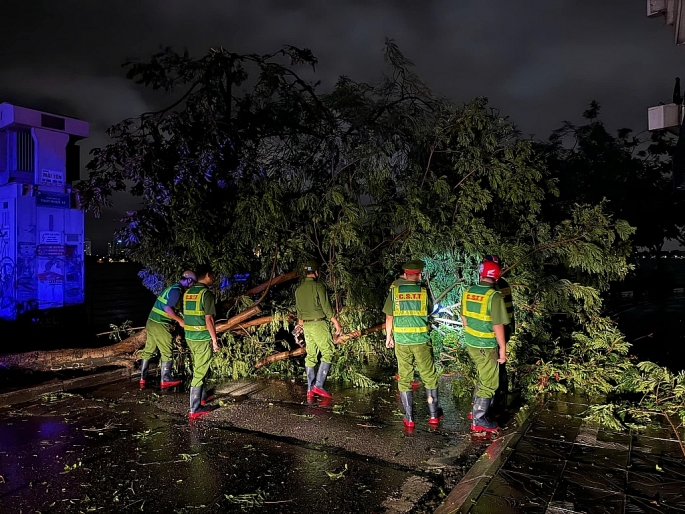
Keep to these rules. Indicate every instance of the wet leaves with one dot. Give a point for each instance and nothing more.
(53, 397)
(247, 501)
(146, 433)
(336, 476)
(338, 409)
(68, 468)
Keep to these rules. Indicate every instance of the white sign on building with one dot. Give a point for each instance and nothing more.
(52, 178)
(50, 238)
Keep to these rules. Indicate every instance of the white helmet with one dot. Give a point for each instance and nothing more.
(189, 274)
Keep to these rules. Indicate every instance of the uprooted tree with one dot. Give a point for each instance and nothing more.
(249, 160)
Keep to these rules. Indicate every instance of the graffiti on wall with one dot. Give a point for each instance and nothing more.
(50, 281)
(7, 300)
(27, 281)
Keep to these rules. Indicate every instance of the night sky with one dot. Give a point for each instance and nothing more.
(538, 61)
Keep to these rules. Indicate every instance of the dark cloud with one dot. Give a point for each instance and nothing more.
(539, 61)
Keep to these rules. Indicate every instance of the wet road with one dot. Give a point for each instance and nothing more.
(119, 448)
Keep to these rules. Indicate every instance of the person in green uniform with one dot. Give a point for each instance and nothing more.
(484, 316)
(159, 327)
(199, 310)
(499, 404)
(313, 311)
(406, 309)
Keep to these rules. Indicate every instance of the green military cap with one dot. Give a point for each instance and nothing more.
(414, 266)
(311, 266)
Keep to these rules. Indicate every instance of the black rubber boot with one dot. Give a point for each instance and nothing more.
(167, 379)
(408, 405)
(196, 408)
(311, 379)
(144, 365)
(434, 408)
(480, 422)
(207, 396)
(321, 376)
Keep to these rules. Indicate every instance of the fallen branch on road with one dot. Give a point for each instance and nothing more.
(122, 353)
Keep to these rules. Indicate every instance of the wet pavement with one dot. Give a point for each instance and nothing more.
(555, 463)
(116, 448)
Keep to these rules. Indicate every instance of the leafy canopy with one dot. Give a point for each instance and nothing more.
(250, 162)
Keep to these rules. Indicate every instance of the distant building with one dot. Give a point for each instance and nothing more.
(115, 249)
(87, 247)
(669, 116)
(41, 226)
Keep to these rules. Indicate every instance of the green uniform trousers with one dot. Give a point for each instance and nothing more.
(317, 336)
(487, 367)
(420, 355)
(158, 336)
(201, 352)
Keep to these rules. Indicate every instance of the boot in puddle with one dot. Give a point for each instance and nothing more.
(480, 422)
(407, 398)
(167, 379)
(321, 376)
(144, 366)
(196, 408)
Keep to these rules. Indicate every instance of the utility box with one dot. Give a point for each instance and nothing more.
(664, 116)
(41, 225)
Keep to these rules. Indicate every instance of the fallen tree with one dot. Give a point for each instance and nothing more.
(301, 351)
(76, 358)
(122, 353)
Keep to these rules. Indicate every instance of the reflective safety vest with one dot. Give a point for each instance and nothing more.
(195, 324)
(476, 304)
(410, 312)
(157, 313)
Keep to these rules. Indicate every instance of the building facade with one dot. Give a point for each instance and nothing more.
(673, 12)
(41, 226)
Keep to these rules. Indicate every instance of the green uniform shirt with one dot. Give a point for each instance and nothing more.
(409, 304)
(311, 301)
(198, 302)
(495, 313)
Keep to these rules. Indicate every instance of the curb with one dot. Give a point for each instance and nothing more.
(464, 494)
(58, 386)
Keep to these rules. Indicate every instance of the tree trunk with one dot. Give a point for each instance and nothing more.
(358, 333)
(301, 351)
(238, 319)
(76, 358)
(242, 327)
(280, 357)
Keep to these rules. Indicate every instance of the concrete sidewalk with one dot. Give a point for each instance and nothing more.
(555, 463)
